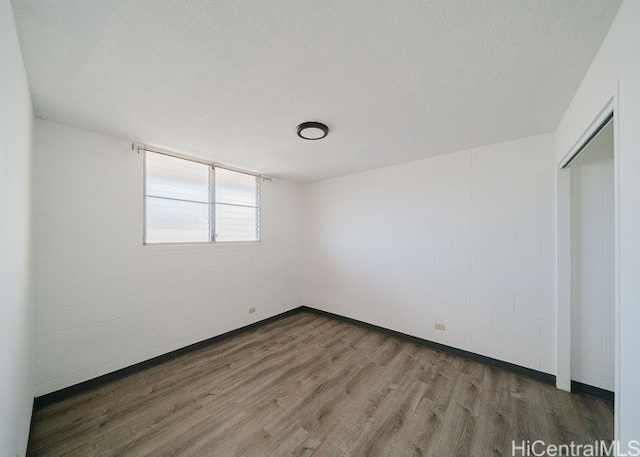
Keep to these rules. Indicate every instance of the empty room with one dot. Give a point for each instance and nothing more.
(319, 228)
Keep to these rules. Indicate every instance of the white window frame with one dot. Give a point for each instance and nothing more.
(212, 198)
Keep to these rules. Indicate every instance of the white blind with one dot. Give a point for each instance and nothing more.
(179, 208)
(177, 200)
(236, 206)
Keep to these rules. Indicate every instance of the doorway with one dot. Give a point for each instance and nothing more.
(592, 245)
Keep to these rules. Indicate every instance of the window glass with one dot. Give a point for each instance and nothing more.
(236, 202)
(178, 205)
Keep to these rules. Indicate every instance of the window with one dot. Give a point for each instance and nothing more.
(193, 202)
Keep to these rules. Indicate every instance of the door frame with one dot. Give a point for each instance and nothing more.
(563, 310)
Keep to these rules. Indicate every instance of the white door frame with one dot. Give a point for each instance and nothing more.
(563, 316)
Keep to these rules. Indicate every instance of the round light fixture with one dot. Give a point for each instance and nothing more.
(312, 130)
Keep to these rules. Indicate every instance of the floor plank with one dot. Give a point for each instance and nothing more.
(312, 385)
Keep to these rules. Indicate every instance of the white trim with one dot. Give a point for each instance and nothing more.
(616, 203)
(563, 314)
(212, 204)
(593, 127)
(144, 197)
(258, 209)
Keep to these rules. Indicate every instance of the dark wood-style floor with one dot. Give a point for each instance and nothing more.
(312, 385)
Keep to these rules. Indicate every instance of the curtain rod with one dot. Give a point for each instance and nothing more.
(138, 147)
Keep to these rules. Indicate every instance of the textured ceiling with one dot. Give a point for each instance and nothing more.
(230, 80)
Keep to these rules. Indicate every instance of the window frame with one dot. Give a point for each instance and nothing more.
(211, 203)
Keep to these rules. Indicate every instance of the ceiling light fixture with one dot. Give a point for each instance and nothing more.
(312, 130)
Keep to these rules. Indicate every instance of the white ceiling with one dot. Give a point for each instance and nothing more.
(229, 80)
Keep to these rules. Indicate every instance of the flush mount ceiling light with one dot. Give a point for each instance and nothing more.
(312, 130)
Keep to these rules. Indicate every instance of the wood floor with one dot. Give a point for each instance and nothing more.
(312, 385)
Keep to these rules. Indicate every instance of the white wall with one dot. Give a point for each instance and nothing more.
(16, 396)
(104, 301)
(616, 71)
(466, 239)
(593, 263)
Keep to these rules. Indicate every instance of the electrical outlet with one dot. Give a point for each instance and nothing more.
(252, 310)
(439, 326)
